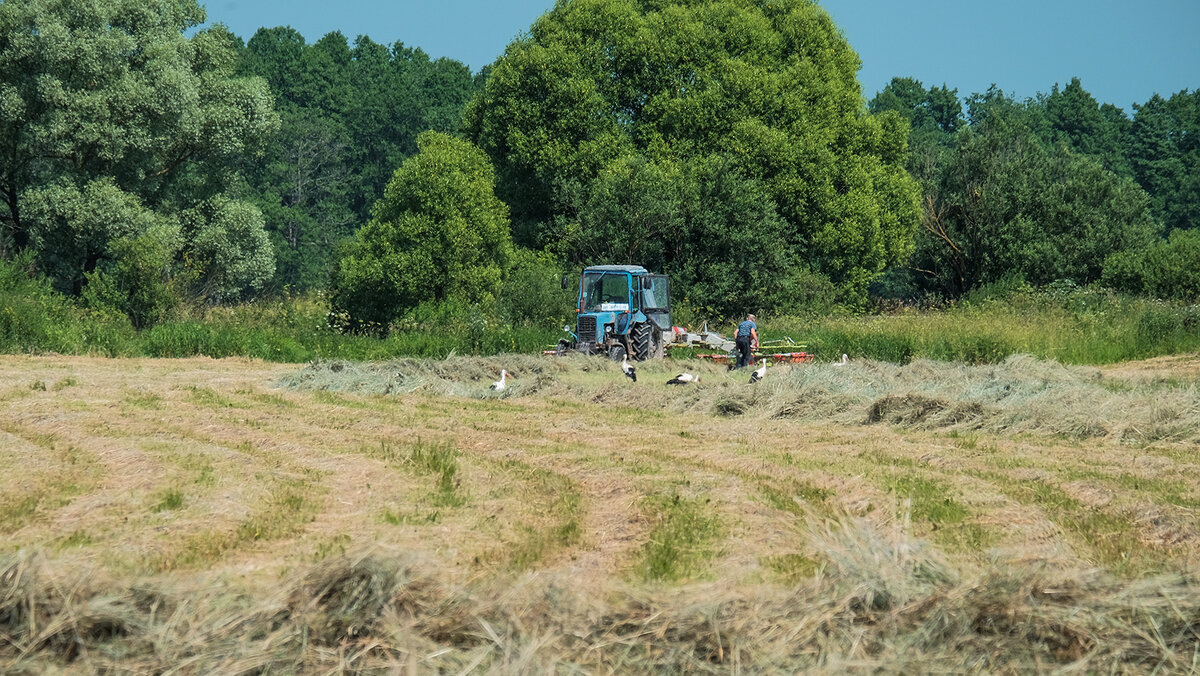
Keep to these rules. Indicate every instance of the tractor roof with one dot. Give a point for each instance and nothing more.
(635, 269)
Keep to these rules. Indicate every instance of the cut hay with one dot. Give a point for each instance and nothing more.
(1021, 395)
(881, 601)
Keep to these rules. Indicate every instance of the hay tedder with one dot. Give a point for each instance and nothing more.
(625, 310)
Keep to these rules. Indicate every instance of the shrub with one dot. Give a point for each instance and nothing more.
(35, 318)
(532, 292)
(1166, 269)
(137, 282)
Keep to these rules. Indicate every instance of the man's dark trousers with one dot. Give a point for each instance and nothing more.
(743, 348)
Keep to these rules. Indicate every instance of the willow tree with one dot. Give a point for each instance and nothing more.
(767, 90)
(118, 121)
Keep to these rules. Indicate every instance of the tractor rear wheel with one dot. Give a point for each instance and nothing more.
(644, 344)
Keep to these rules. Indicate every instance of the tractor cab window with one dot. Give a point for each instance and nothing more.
(605, 292)
(656, 299)
(655, 293)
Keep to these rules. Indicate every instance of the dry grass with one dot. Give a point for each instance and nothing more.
(191, 515)
(881, 602)
(1022, 394)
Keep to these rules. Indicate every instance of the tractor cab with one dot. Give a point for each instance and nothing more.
(622, 310)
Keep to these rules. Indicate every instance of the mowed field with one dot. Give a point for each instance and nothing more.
(237, 516)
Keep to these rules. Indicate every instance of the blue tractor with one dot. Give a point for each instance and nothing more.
(622, 310)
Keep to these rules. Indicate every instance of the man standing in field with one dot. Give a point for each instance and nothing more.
(746, 340)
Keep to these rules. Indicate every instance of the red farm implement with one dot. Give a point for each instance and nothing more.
(775, 357)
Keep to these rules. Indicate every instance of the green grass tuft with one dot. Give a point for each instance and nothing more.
(169, 500)
(558, 498)
(206, 396)
(682, 539)
(440, 460)
(792, 568)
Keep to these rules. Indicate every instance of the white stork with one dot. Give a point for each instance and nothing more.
(628, 369)
(759, 373)
(683, 379)
(499, 384)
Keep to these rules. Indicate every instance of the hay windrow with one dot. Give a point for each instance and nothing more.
(881, 600)
(1021, 395)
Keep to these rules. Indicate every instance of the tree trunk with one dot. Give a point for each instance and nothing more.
(20, 235)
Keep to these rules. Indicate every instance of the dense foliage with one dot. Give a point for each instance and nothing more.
(152, 169)
(439, 234)
(1165, 269)
(627, 132)
(350, 116)
(118, 128)
(1039, 191)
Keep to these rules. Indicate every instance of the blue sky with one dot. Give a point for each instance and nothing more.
(1123, 52)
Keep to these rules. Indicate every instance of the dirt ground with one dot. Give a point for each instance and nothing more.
(1180, 367)
(167, 467)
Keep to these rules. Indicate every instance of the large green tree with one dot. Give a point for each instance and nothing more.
(936, 109)
(1085, 126)
(603, 88)
(438, 234)
(1005, 204)
(1164, 152)
(715, 231)
(350, 115)
(113, 121)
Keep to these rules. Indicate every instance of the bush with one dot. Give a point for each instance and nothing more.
(1000, 290)
(1166, 269)
(532, 292)
(35, 318)
(137, 282)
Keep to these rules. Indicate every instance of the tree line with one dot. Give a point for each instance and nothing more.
(148, 160)
(1054, 188)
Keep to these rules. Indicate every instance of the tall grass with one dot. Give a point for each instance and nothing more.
(36, 319)
(1076, 327)
(1073, 326)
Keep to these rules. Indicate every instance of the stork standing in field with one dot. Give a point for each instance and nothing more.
(759, 373)
(499, 384)
(628, 369)
(683, 379)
